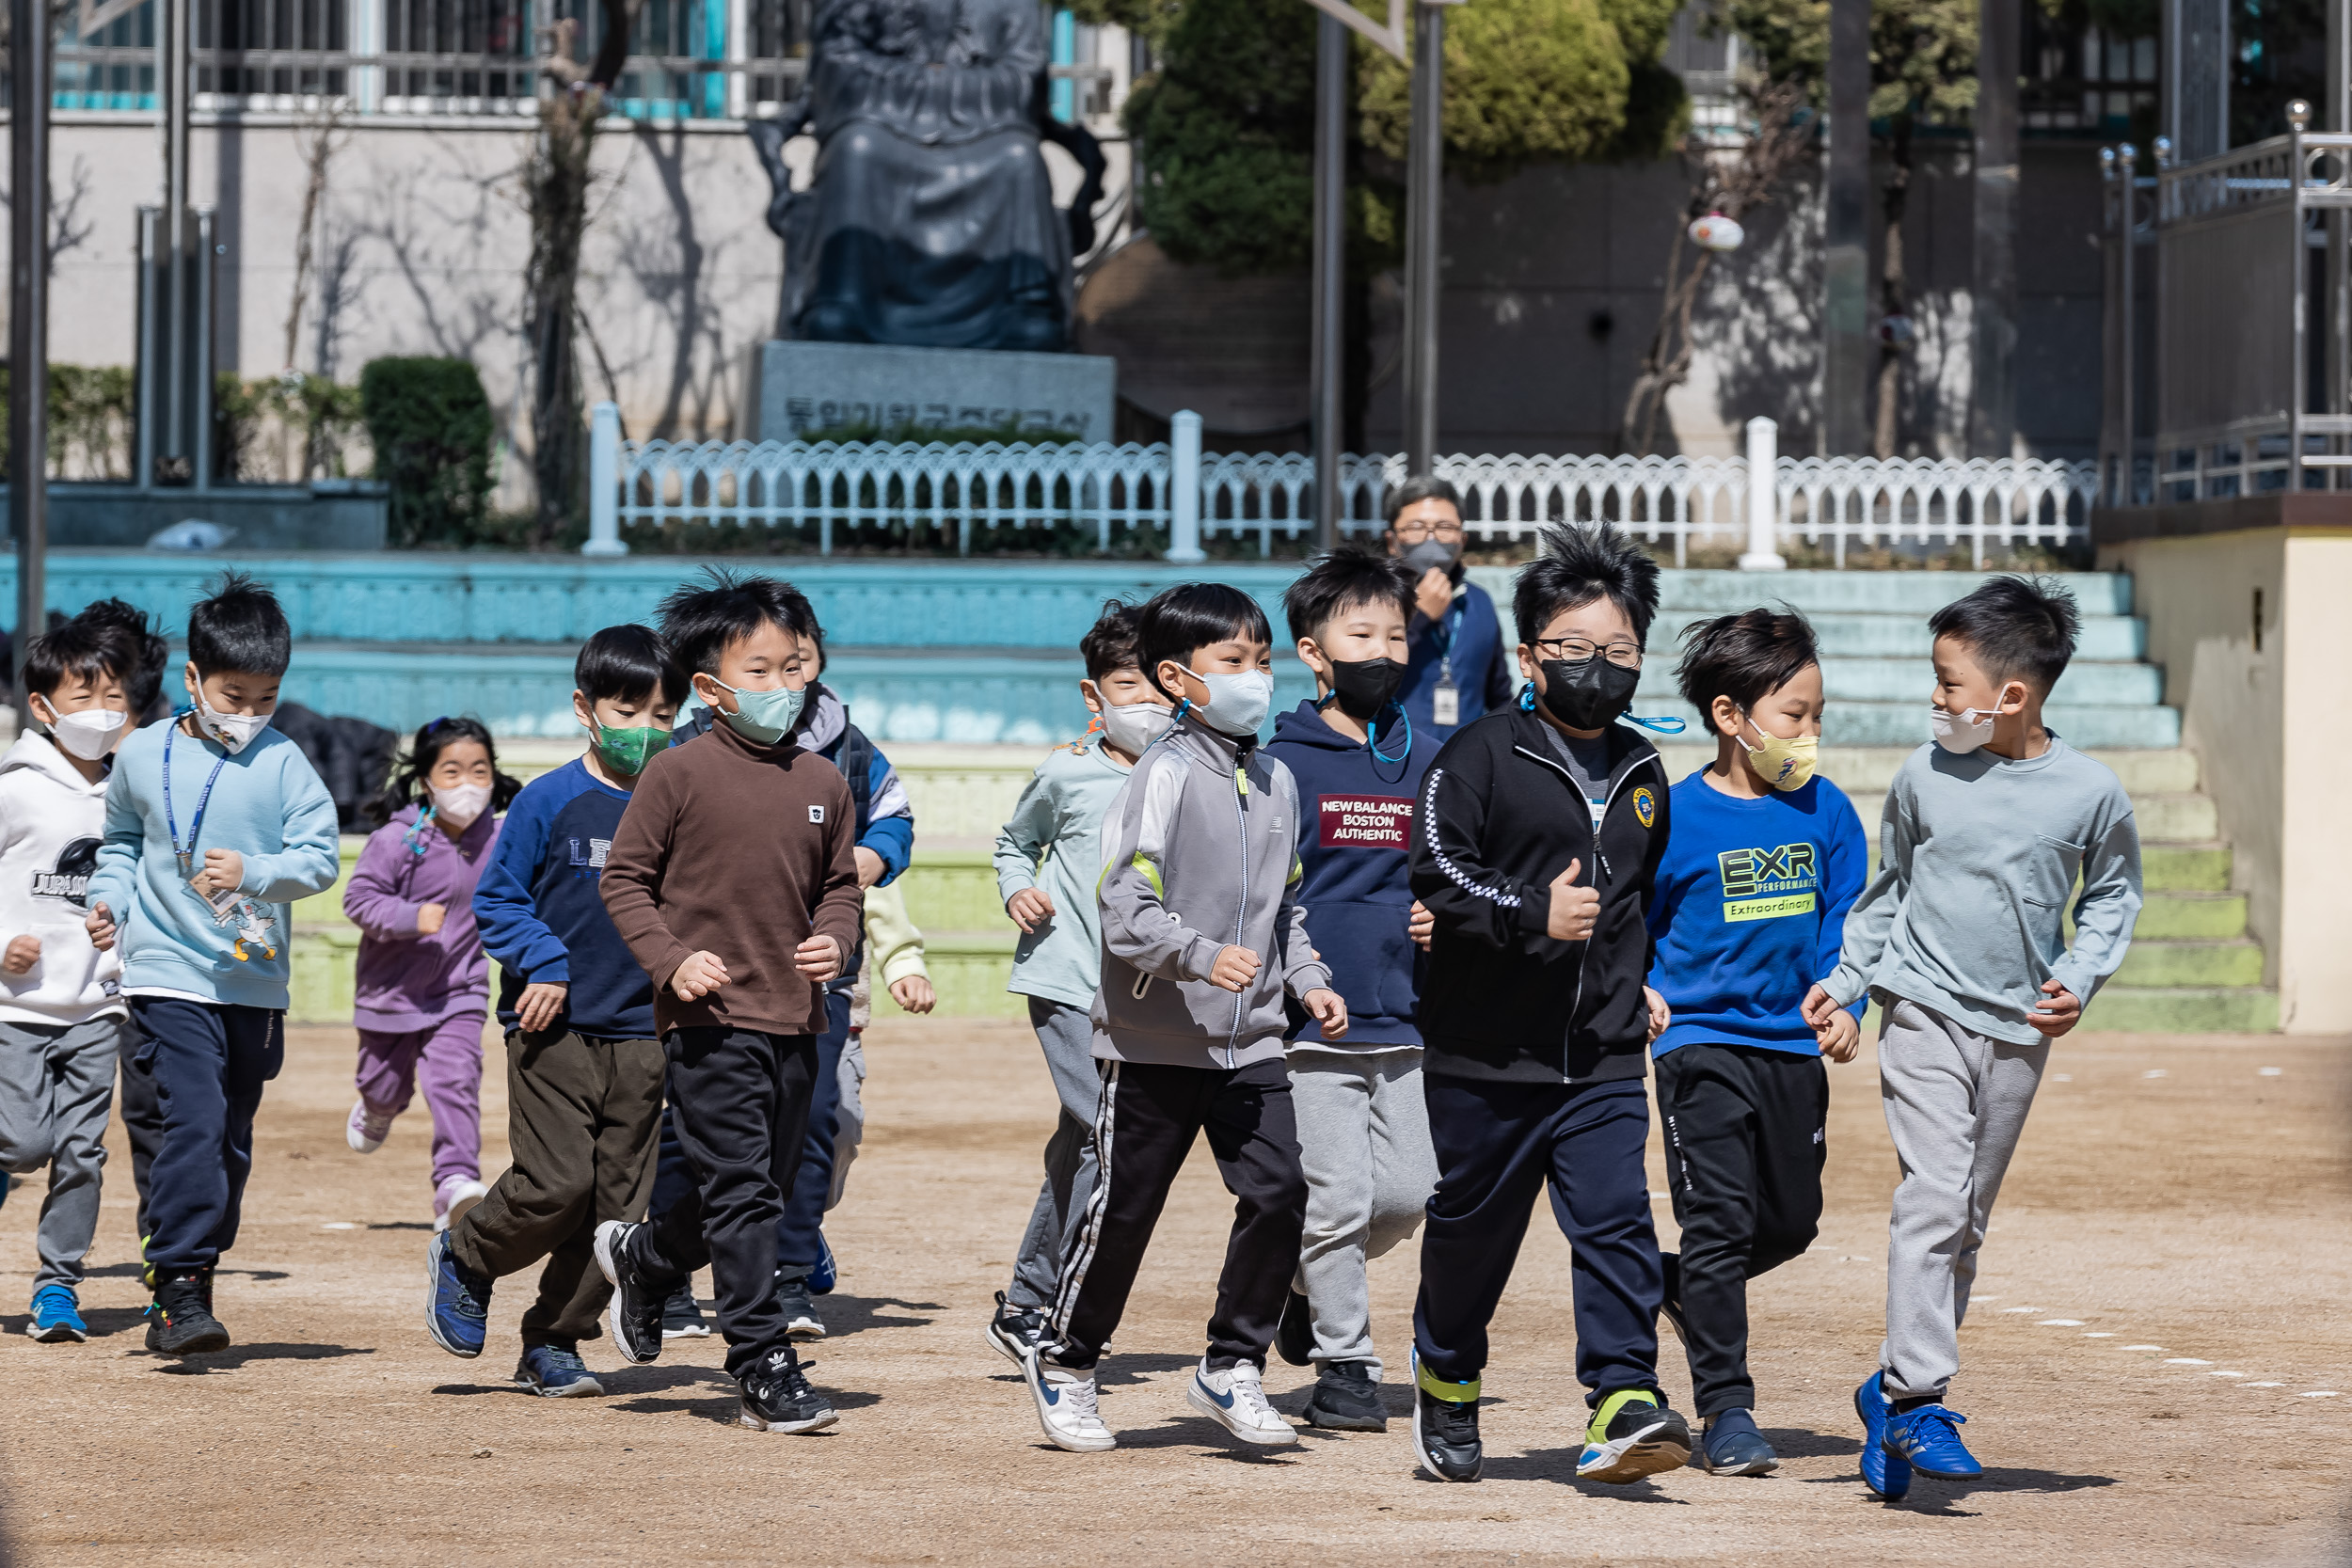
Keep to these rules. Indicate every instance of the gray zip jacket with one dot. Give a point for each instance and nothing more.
(1200, 852)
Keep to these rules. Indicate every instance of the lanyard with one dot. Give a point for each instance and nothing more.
(1453, 625)
(187, 857)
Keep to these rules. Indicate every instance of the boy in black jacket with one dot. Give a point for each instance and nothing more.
(1538, 832)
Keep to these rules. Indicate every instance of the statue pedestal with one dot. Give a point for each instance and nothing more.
(799, 388)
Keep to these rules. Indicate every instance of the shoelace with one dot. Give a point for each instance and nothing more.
(1250, 1394)
(1951, 1419)
(1078, 1398)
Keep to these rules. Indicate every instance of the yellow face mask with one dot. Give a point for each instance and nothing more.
(1783, 764)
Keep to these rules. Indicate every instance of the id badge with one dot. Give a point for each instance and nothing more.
(1445, 703)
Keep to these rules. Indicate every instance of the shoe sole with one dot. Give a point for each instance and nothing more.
(1919, 1469)
(613, 1319)
(586, 1389)
(1631, 1457)
(202, 1344)
(806, 1330)
(686, 1331)
(745, 1416)
(57, 1334)
(460, 1207)
(433, 1319)
(1330, 1420)
(1198, 1398)
(1898, 1485)
(1062, 1440)
(1750, 1468)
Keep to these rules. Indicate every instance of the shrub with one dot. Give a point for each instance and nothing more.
(430, 423)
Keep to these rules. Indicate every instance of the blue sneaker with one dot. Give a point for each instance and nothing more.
(827, 1274)
(457, 1301)
(1732, 1446)
(57, 1315)
(556, 1372)
(1929, 1438)
(1883, 1470)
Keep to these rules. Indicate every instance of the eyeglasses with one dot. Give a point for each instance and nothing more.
(1413, 532)
(1576, 649)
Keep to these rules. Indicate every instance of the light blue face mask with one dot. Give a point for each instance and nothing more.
(762, 718)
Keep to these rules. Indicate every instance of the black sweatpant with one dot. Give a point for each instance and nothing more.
(741, 1101)
(209, 1061)
(1745, 1141)
(1144, 1128)
(142, 1112)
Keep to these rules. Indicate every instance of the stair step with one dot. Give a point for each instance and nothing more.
(1863, 634)
(2188, 917)
(2111, 683)
(2191, 964)
(2171, 818)
(2213, 1010)
(2185, 867)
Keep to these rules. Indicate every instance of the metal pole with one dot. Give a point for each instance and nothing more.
(1993, 414)
(28, 324)
(1330, 273)
(2337, 299)
(2298, 122)
(174, 82)
(2128, 157)
(1425, 168)
(1845, 307)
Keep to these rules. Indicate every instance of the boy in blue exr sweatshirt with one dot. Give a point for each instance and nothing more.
(1363, 1129)
(1763, 861)
(215, 824)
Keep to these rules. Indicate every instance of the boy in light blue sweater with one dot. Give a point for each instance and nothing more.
(215, 824)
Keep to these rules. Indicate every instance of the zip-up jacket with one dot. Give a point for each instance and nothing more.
(1200, 852)
(1500, 819)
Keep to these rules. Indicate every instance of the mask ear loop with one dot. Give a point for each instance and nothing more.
(1526, 697)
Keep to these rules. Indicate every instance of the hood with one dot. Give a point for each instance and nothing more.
(405, 815)
(828, 719)
(1304, 726)
(36, 753)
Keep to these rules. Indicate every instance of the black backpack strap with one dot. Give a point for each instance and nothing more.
(856, 762)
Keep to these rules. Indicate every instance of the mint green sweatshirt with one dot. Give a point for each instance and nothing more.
(1054, 842)
(270, 807)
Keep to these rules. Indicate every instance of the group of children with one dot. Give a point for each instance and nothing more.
(1394, 971)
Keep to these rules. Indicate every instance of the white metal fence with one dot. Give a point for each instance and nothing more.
(1174, 497)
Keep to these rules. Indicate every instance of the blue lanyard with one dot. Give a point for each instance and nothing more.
(187, 857)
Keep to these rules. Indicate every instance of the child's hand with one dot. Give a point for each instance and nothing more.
(1574, 908)
(1660, 1014)
(1328, 1009)
(23, 954)
(1841, 1038)
(540, 1004)
(1235, 967)
(1029, 909)
(1423, 925)
(914, 994)
(869, 865)
(2058, 1015)
(429, 918)
(819, 959)
(99, 924)
(1818, 1007)
(699, 975)
(223, 872)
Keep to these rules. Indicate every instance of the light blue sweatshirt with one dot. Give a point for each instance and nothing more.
(270, 807)
(1978, 855)
(1054, 842)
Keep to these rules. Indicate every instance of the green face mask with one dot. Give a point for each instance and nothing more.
(625, 750)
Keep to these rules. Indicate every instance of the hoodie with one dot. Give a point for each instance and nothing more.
(51, 822)
(1355, 838)
(407, 980)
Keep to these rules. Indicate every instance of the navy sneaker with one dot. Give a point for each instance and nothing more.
(456, 1299)
(1014, 1331)
(1929, 1438)
(1445, 1425)
(556, 1372)
(1732, 1446)
(180, 1321)
(634, 1315)
(799, 1312)
(827, 1274)
(682, 1315)
(57, 1315)
(1883, 1470)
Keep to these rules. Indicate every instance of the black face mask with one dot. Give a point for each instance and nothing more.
(1365, 686)
(1588, 696)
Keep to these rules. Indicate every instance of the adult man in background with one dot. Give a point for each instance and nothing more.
(1457, 669)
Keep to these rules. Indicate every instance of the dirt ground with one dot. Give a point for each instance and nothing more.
(2161, 1306)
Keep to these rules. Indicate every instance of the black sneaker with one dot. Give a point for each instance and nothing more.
(1346, 1399)
(1014, 1330)
(799, 1310)
(179, 1321)
(1294, 1334)
(777, 1398)
(1670, 1304)
(635, 1313)
(1633, 1434)
(1445, 1428)
(682, 1315)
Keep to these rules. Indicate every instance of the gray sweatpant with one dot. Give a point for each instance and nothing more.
(57, 1091)
(1066, 1033)
(1363, 1140)
(1956, 1102)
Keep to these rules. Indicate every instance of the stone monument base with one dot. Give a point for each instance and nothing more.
(796, 388)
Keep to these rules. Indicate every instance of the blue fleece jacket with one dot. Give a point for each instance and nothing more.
(542, 916)
(269, 806)
(1749, 910)
(1357, 810)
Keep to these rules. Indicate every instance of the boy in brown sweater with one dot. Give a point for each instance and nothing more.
(731, 877)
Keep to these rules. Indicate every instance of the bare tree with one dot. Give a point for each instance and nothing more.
(1735, 182)
(321, 131)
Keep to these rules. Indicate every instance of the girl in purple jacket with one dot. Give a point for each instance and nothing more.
(423, 982)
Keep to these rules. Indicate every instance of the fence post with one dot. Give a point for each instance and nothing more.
(1184, 488)
(1763, 552)
(604, 482)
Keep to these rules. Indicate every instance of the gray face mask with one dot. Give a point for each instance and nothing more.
(1430, 555)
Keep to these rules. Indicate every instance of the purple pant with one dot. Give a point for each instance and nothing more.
(446, 1060)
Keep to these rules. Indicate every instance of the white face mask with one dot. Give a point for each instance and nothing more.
(234, 731)
(1961, 732)
(90, 733)
(1134, 725)
(1237, 704)
(461, 805)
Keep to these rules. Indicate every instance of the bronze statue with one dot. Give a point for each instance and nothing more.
(931, 220)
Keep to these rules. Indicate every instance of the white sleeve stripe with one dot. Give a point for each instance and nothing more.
(1459, 877)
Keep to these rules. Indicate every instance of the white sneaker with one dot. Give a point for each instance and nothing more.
(366, 1128)
(457, 1195)
(1234, 1399)
(1065, 1406)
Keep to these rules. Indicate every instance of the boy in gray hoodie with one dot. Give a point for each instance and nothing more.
(1201, 939)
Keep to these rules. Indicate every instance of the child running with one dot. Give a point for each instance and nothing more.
(424, 984)
(584, 1065)
(1765, 859)
(1048, 858)
(1202, 840)
(62, 1008)
(215, 824)
(1363, 1129)
(1538, 834)
(1961, 939)
(734, 882)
